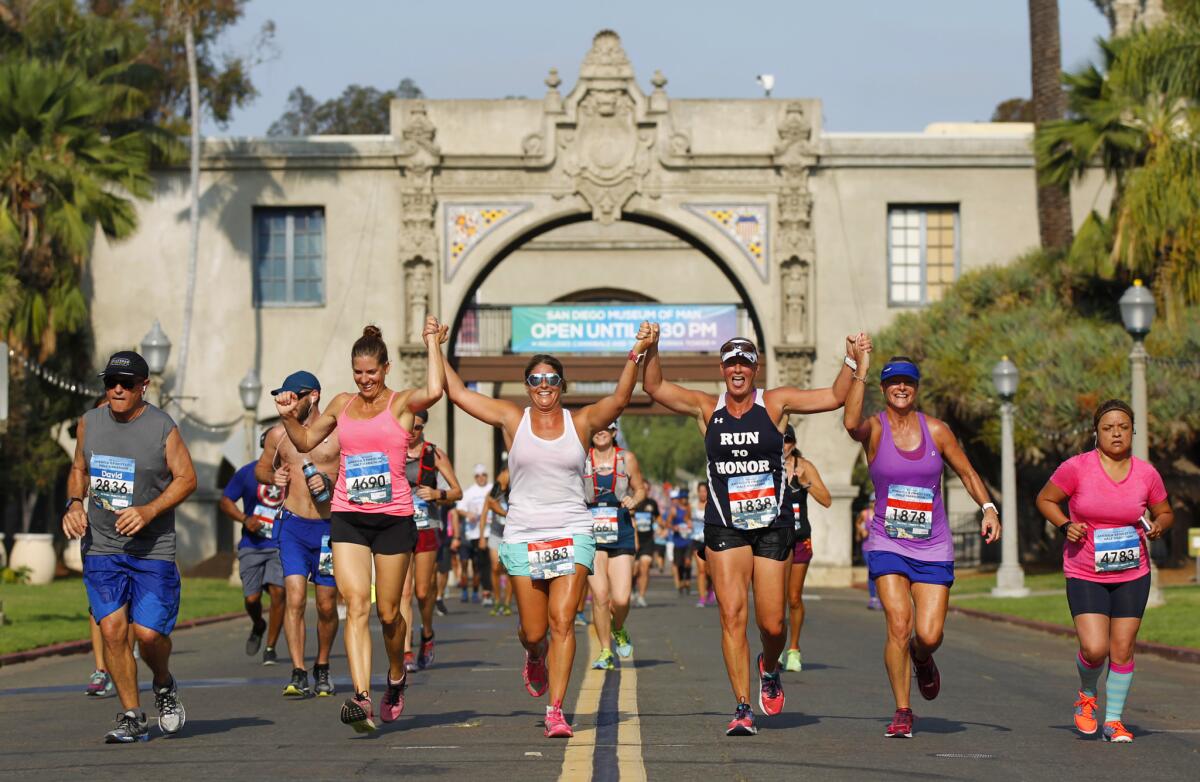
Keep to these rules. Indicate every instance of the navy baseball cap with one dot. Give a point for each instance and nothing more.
(900, 369)
(298, 382)
(126, 362)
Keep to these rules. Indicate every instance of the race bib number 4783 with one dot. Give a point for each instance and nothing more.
(368, 478)
(1117, 548)
(110, 481)
(909, 514)
(752, 501)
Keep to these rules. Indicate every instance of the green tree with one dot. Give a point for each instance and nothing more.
(357, 111)
(664, 445)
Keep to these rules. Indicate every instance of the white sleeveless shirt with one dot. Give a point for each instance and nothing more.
(545, 485)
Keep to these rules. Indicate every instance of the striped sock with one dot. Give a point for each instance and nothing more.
(1089, 674)
(1120, 677)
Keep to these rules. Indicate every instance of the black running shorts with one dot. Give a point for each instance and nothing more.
(775, 543)
(380, 532)
(1122, 599)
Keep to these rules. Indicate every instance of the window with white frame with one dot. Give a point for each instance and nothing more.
(922, 252)
(289, 256)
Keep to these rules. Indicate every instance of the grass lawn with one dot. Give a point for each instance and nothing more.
(970, 583)
(56, 612)
(1177, 623)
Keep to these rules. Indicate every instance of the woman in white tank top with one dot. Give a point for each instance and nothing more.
(548, 546)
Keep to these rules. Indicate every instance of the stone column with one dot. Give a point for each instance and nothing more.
(832, 539)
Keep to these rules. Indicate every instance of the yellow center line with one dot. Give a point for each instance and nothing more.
(630, 766)
(577, 760)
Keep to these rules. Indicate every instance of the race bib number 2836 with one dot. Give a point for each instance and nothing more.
(110, 481)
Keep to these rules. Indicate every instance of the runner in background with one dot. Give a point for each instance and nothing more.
(801, 480)
(497, 508)
(704, 588)
(646, 521)
(472, 553)
(862, 530)
(680, 524)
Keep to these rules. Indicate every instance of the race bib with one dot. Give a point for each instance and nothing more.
(368, 478)
(604, 524)
(1117, 548)
(796, 515)
(551, 558)
(266, 515)
(110, 481)
(909, 513)
(325, 562)
(752, 501)
(698, 530)
(421, 513)
(643, 520)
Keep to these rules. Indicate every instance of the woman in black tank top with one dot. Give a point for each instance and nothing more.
(746, 536)
(800, 480)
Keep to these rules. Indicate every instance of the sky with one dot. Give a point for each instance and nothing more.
(877, 65)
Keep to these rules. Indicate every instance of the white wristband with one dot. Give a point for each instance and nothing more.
(852, 364)
(987, 505)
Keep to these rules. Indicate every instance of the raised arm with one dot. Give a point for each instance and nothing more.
(952, 452)
(494, 412)
(305, 438)
(675, 398)
(857, 427)
(819, 400)
(435, 377)
(603, 412)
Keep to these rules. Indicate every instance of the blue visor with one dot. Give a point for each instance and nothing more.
(900, 369)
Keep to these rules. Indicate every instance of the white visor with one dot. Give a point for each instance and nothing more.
(737, 351)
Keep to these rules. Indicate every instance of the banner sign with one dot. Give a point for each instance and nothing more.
(612, 328)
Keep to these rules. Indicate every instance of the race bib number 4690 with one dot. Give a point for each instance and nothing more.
(909, 513)
(110, 481)
(551, 558)
(368, 478)
(1118, 548)
(752, 501)
(604, 525)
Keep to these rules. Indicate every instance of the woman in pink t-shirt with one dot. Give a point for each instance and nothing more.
(1105, 558)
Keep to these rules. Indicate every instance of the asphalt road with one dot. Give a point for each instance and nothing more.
(1004, 712)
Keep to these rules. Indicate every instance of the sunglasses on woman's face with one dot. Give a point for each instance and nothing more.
(535, 379)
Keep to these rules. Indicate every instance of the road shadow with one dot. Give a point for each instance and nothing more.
(942, 725)
(639, 662)
(790, 719)
(212, 727)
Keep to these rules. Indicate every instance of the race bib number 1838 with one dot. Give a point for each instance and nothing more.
(752, 501)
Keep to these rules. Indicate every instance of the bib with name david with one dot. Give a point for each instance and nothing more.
(110, 481)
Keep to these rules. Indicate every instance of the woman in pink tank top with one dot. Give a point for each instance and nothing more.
(909, 552)
(372, 507)
(548, 547)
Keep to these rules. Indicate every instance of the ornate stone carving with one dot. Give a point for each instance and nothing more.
(418, 274)
(681, 143)
(533, 145)
(795, 367)
(412, 363)
(748, 225)
(794, 155)
(797, 281)
(658, 98)
(419, 155)
(553, 100)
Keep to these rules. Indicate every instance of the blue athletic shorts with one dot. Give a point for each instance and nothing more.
(885, 563)
(515, 556)
(300, 546)
(150, 587)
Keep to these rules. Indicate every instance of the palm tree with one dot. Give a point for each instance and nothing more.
(1049, 104)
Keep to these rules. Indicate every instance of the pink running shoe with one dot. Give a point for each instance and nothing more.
(901, 726)
(393, 700)
(770, 692)
(556, 725)
(536, 677)
(929, 680)
(358, 714)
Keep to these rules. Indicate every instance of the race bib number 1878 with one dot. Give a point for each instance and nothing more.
(110, 481)
(909, 513)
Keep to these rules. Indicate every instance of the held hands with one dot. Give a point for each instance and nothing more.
(990, 529)
(132, 520)
(74, 522)
(433, 330)
(647, 335)
(858, 348)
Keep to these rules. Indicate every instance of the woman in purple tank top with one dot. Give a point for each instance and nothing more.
(372, 507)
(909, 551)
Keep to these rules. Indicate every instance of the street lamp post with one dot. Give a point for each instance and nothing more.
(1010, 579)
(156, 348)
(250, 389)
(1137, 313)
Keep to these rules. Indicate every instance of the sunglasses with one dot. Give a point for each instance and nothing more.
(535, 379)
(418, 427)
(128, 383)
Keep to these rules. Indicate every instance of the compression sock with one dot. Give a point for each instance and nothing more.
(1089, 674)
(1119, 679)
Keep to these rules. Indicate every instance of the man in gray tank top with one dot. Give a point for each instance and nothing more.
(131, 469)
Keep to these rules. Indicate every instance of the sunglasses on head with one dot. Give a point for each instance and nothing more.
(124, 381)
(535, 379)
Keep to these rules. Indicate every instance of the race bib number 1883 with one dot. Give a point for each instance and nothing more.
(110, 481)
(551, 558)
(909, 513)
(368, 478)
(752, 501)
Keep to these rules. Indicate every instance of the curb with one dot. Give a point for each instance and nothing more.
(79, 647)
(1177, 653)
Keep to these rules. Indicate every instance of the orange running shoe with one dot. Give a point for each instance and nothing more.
(1115, 732)
(1085, 714)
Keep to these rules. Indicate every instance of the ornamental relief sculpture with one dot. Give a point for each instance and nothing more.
(419, 155)
(418, 277)
(796, 287)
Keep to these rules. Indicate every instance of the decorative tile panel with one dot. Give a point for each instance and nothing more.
(747, 225)
(466, 224)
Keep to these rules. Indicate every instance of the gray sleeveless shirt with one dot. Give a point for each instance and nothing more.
(127, 466)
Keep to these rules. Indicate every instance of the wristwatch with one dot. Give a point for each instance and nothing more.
(72, 499)
(991, 505)
(851, 363)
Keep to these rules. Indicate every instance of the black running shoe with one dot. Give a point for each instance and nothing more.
(439, 606)
(298, 686)
(131, 727)
(254, 642)
(269, 656)
(324, 687)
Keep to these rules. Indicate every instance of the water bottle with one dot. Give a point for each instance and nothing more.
(310, 470)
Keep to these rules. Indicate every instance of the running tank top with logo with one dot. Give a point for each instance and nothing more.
(745, 467)
(371, 471)
(422, 471)
(910, 518)
(545, 496)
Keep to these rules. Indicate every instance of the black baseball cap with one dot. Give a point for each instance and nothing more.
(422, 416)
(126, 362)
(298, 382)
(789, 433)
